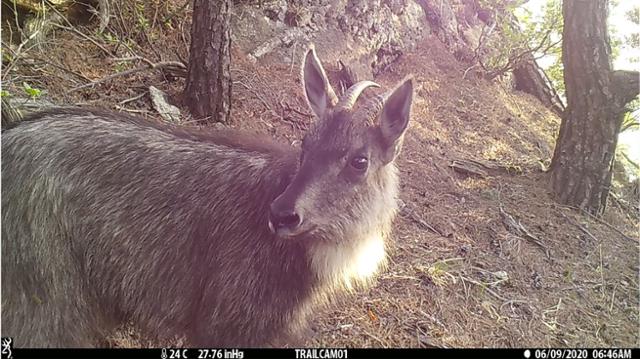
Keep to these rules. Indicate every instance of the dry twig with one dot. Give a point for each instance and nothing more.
(410, 214)
(153, 66)
(581, 227)
(514, 226)
(609, 226)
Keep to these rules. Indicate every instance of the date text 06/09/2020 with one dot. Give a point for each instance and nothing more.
(580, 353)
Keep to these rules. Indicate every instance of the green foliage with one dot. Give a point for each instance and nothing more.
(4, 93)
(108, 37)
(32, 92)
(141, 19)
(615, 41)
(550, 20)
(541, 34)
(521, 33)
(555, 73)
(624, 32)
(633, 39)
(113, 39)
(6, 57)
(633, 15)
(120, 66)
(168, 24)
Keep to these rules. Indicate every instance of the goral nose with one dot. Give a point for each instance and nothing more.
(283, 219)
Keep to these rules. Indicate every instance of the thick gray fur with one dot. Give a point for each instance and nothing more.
(108, 218)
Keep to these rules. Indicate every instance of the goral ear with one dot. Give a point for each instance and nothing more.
(394, 118)
(317, 90)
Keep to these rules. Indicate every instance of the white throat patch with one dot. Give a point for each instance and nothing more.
(349, 264)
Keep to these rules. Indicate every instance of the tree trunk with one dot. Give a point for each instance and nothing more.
(530, 78)
(207, 92)
(582, 162)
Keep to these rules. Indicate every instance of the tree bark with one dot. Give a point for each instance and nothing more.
(207, 92)
(581, 168)
(530, 78)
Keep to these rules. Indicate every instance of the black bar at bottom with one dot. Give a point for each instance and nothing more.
(324, 353)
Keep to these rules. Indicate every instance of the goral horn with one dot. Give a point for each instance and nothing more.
(351, 95)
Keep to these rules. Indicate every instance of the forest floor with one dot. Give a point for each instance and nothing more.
(486, 260)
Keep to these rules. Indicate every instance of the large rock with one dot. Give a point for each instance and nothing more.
(366, 35)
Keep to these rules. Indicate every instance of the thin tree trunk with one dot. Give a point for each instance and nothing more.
(207, 92)
(584, 153)
(530, 78)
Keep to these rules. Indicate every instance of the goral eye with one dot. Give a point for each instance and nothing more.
(359, 163)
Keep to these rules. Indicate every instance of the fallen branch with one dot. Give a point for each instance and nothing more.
(258, 96)
(482, 168)
(464, 75)
(611, 227)
(284, 107)
(515, 227)
(131, 99)
(484, 286)
(122, 108)
(628, 209)
(410, 214)
(581, 227)
(469, 167)
(153, 66)
(84, 37)
(16, 54)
